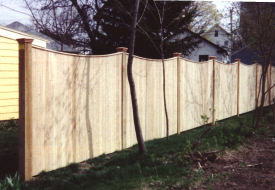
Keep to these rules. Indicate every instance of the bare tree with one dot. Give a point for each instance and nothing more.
(141, 145)
(161, 18)
(63, 21)
(258, 28)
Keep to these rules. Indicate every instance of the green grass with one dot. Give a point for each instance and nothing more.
(166, 164)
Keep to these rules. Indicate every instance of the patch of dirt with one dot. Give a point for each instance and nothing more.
(251, 167)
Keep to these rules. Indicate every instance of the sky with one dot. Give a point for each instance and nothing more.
(7, 15)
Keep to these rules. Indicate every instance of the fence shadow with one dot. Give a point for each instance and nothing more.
(8, 148)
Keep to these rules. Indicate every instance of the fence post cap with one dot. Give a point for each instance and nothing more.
(121, 49)
(238, 60)
(176, 54)
(24, 40)
(212, 57)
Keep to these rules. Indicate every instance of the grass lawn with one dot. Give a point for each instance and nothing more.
(167, 165)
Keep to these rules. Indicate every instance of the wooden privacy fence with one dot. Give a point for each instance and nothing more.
(75, 107)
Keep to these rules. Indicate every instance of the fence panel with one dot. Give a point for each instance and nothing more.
(171, 93)
(140, 77)
(226, 90)
(196, 93)
(155, 120)
(273, 83)
(79, 107)
(247, 87)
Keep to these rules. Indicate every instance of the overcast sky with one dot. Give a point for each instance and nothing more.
(7, 15)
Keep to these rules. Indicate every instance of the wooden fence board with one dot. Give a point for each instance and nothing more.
(226, 91)
(247, 87)
(155, 116)
(273, 83)
(171, 93)
(80, 106)
(140, 77)
(81, 111)
(196, 95)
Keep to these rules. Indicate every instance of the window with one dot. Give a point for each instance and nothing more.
(225, 43)
(203, 58)
(216, 33)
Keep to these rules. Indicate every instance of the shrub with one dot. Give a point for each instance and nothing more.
(10, 183)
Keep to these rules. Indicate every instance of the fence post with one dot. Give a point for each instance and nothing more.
(123, 50)
(213, 58)
(238, 87)
(25, 133)
(178, 55)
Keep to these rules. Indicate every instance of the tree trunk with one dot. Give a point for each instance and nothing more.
(161, 18)
(141, 145)
(164, 89)
(259, 110)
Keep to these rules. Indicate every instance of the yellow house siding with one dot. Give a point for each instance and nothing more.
(8, 79)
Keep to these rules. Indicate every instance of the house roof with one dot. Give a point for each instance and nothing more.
(247, 56)
(207, 41)
(24, 33)
(51, 43)
(213, 28)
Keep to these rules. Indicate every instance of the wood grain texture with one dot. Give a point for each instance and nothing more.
(25, 108)
(247, 88)
(238, 86)
(269, 84)
(140, 77)
(214, 107)
(256, 85)
(78, 113)
(226, 90)
(178, 94)
(81, 105)
(171, 93)
(155, 116)
(196, 94)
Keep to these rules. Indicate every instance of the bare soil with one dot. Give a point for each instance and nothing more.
(250, 167)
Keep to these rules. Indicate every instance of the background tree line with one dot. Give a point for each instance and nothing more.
(99, 26)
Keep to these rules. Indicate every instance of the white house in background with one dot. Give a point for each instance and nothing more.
(204, 49)
(15, 34)
(218, 36)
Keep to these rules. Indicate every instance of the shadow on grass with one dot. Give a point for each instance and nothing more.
(8, 148)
